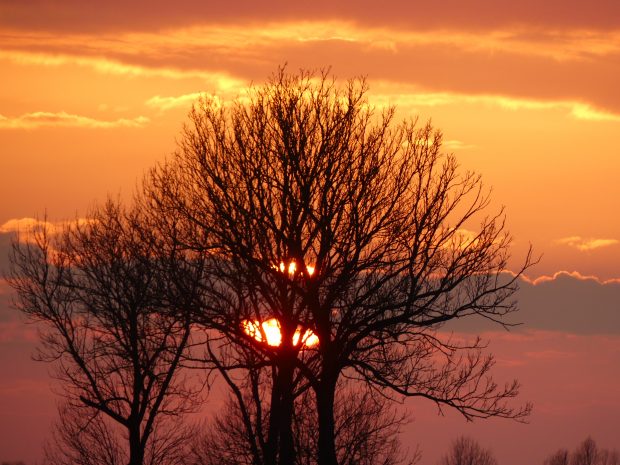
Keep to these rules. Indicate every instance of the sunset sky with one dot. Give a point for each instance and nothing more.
(526, 93)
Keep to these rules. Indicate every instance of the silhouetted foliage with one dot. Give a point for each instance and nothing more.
(609, 457)
(116, 326)
(367, 429)
(301, 171)
(466, 451)
(587, 453)
(80, 436)
(83, 436)
(561, 457)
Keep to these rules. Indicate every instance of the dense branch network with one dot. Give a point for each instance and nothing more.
(303, 172)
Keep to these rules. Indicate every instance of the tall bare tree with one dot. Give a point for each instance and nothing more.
(113, 296)
(331, 217)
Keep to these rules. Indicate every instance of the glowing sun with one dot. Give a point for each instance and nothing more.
(269, 330)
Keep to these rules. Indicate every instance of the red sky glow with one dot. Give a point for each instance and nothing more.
(526, 93)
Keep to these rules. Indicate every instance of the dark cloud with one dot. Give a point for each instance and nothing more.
(5, 248)
(525, 70)
(117, 15)
(564, 303)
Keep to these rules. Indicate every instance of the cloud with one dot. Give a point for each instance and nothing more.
(456, 145)
(488, 60)
(41, 119)
(548, 354)
(392, 94)
(118, 16)
(565, 302)
(586, 112)
(248, 39)
(26, 228)
(17, 331)
(124, 65)
(26, 225)
(568, 275)
(168, 103)
(585, 245)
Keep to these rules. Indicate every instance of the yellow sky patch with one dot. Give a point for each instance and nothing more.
(585, 245)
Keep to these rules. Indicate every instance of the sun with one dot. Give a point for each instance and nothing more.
(269, 332)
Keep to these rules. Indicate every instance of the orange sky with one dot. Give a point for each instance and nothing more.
(526, 96)
(526, 93)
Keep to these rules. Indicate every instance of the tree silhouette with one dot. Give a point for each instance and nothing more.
(367, 430)
(81, 437)
(331, 217)
(114, 323)
(466, 451)
(609, 457)
(561, 457)
(587, 453)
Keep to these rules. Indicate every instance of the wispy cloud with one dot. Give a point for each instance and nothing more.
(242, 37)
(40, 119)
(27, 226)
(584, 245)
(11, 331)
(587, 112)
(177, 55)
(549, 354)
(574, 275)
(117, 66)
(168, 103)
(392, 94)
(456, 145)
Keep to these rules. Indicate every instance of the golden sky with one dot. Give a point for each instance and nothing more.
(526, 93)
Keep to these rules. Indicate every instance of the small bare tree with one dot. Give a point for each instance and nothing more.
(561, 457)
(466, 451)
(586, 454)
(609, 457)
(113, 296)
(82, 437)
(367, 429)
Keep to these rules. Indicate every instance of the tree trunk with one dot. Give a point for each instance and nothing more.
(325, 397)
(273, 435)
(136, 452)
(287, 406)
(280, 447)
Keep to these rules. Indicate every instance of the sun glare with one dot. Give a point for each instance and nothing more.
(292, 268)
(269, 331)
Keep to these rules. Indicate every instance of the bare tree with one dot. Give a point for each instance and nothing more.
(82, 437)
(561, 457)
(367, 430)
(466, 451)
(114, 297)
(586, 454)
(609, 457)
(327, 216)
